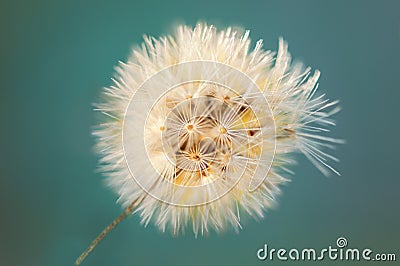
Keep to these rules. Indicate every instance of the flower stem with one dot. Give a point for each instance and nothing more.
(128, 210)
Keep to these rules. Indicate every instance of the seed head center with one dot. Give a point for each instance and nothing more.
(189, 127)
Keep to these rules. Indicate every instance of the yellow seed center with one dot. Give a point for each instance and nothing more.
(189, 127)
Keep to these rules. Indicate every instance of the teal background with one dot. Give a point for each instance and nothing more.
(55, 57)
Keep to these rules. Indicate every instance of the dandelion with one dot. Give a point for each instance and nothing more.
(198, 129)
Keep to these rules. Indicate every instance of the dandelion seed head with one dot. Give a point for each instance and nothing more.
(200, 126)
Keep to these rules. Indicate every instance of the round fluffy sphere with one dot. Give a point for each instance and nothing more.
(198, 128)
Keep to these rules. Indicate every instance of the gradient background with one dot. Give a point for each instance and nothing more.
(54, 58)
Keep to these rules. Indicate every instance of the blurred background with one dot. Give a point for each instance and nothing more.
(55, 56)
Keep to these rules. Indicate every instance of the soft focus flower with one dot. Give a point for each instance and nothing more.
(198, 128)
